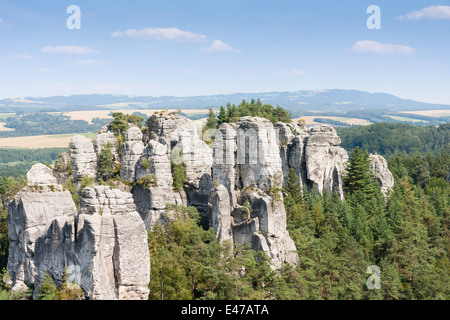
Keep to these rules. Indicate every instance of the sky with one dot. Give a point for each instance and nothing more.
(205, 47)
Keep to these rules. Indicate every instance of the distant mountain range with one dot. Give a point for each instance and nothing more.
(336, 101)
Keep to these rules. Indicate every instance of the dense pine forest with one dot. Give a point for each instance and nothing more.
(406, 235)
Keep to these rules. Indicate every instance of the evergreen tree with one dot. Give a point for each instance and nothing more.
(223, 117)
(211, 122)
(292, 189)
(359, 176)
(106, 162)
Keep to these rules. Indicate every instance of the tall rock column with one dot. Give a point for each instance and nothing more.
(132, 151)
(29, 213)
(104, 248)
(83, 158)
(381, 171)
(325, 160)
(254, 179)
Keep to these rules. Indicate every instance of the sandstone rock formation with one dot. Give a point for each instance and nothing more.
(29, 213)
(132, 151)
(381, 171)
(83, 158)
(104, 247)
(175, 139)
(103, 139)
(235, 184)
(325, 160)
(63, 167)
(249, 170)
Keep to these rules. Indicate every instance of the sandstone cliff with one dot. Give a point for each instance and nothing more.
(235, 183)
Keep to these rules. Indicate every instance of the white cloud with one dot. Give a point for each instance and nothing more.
(219, 46)
(369, 46)
(173, 34)
(295, 72)
(432, 12)
(68, 50)
(91, 62)
(1, 22)
(20, 57)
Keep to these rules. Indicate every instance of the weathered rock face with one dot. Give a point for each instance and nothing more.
(179, 134)
(249, 169)
(103, 139)
(325, 160)
(221, 214)
(104, 200)
(158, 165)
(83, 158)
(381, 171)
(258, 154)
(105, 250)
(151, 203)
(40, 174)
(63, 167)
(173, 138)
(29, 214)
(132, 151)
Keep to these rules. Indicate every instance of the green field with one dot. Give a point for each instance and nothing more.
(406, 119)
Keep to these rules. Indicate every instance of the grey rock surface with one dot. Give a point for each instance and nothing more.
(103, 139)
(132, 151)
(29, 213)
(106, 254)
(381, 171)
(40, 174)
(83, 158)
(325, 160)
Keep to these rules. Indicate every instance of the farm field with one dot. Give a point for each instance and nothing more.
(3, 128)
(398, 118)
(430, 113)
(105, 114)
(41, 142)
(352, 121)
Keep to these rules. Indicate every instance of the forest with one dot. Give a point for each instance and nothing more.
(405, 235)
(41, 123)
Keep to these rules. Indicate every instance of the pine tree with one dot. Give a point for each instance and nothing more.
(292, 187)
(223, 117)
(359, 177)
(211, 122)
(47, 289)
(106, 162)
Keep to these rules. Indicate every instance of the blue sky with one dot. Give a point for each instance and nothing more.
(202, 47)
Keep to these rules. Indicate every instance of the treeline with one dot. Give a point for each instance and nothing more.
(388, 139)
(232, 113)
(17, 162)
(33, 124)
(332, 122)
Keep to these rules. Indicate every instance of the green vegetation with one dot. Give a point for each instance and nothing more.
(106, 163)
(17, 162)
(407, 238)
(34, 124)
(388, 139)
(179, 175)
(121, 122)
(255, 109)
(187, 262)
(358, 175)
